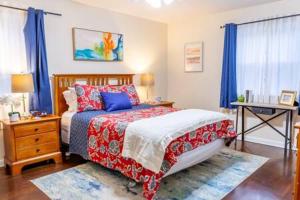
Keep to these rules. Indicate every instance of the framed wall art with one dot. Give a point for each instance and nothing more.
(91, 45)
(193, 57)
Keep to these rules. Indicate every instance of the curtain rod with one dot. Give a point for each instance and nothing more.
(23, 9)
(264, 20)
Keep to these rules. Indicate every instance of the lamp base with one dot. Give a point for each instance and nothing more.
(25, 114)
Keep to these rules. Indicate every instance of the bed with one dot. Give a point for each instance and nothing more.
(77, 130)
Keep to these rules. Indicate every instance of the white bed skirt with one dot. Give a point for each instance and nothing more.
(196, 156)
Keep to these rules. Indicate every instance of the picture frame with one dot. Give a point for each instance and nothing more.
(100, 46)
(287, 97)
(193, 56)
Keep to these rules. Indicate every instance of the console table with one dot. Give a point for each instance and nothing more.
(287, 110)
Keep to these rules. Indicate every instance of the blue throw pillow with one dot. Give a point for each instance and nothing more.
(115, 101)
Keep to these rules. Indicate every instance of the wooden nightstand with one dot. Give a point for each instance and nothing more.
(297, 172)
(30, 141)
(162, 103)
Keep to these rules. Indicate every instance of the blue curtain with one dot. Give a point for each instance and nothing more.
(228, 82)
(37, 60)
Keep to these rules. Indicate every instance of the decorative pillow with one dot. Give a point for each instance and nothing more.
(109, 88)
(131, 91)
(115, 101)
(88, 98)
(71, 99)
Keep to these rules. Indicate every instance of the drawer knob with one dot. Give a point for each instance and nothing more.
(37, 139)
(36, 129)
(38, 150)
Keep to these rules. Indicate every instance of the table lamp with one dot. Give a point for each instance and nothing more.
(147, 80)
(22, 83)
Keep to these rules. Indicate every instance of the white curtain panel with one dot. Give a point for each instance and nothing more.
(12, 46)
(12, 50)
(268, 58)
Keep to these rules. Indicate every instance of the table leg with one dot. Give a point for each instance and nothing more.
(291, 138)
(243, 124)
(236, 124)
(286, 131)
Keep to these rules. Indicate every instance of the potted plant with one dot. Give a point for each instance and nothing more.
(9, 100)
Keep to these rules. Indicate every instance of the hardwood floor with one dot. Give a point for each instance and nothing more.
(271, 182)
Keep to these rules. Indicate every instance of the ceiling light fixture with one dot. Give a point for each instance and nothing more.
(159, 3)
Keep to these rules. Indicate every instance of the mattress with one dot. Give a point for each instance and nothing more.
(66, 120)
(185, 160)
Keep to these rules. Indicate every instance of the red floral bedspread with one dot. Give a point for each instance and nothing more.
(106, 137)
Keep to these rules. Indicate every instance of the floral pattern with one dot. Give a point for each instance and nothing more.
(128, 89)
(109, 138)
(131, 91)
(109, 88)
(88, 98)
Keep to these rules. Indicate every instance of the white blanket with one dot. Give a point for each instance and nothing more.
(146, 140)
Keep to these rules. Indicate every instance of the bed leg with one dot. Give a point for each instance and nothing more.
(235, 143)
(65, 151)
(130, 187)
(131, 184)
(67, 155)
(229, 141)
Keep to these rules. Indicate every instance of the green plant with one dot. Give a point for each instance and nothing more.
(241, 98)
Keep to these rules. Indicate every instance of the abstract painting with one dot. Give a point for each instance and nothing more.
(193, 57)
(91, 45)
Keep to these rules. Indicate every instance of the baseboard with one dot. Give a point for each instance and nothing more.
(2, 163)
(264, 141)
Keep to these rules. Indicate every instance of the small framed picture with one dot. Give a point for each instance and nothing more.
(287, 97)
(193, 57)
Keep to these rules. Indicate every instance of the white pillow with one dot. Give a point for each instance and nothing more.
(71, 99)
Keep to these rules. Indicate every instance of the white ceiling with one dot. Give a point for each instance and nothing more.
(178, 9)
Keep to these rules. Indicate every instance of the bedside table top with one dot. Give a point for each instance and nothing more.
(161, 103)
(30, 120)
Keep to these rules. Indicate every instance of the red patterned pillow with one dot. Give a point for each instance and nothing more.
(128, 89)
(88, 98)
(131, 91)
(109, 88)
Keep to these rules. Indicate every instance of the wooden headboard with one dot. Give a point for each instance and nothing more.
(61, 82)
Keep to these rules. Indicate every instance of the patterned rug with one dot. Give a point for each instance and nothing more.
(210, 180)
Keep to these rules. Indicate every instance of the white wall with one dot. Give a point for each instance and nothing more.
(202, 90)
(145, 41)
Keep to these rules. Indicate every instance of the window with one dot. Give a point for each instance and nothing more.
(268, 58)
(12, 48)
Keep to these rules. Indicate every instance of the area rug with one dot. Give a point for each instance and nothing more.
(210, 180)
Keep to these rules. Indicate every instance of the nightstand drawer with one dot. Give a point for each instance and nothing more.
(32, 140)
(37, 150)
(34, 128)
